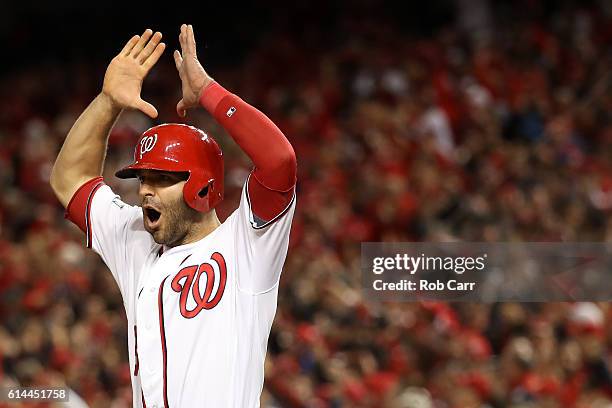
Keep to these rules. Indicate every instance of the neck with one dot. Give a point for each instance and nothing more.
(208, 223)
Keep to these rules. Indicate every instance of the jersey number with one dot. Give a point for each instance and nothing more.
(192, 281)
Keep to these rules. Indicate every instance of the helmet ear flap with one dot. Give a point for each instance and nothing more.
(204, 191)
(196, 195)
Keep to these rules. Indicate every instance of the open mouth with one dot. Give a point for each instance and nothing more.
(152, 216)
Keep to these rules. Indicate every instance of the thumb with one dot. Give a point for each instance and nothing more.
(146, 108)
(181, 109)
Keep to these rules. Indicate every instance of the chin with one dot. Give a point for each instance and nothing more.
(158, 238)
(156, 235)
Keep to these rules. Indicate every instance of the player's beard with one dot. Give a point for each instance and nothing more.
(177, 220)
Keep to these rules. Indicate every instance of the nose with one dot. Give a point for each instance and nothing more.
(145, 190)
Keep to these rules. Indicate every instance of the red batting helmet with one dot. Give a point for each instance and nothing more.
(182, 148)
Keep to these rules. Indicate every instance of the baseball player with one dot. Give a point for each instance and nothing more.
(200, 295)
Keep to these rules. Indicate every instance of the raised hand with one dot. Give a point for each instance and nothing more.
(193, 76)
(125, 73)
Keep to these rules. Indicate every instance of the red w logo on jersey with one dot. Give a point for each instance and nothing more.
(192, 281)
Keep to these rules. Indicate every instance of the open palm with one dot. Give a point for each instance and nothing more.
(125, 73)
(193, 77)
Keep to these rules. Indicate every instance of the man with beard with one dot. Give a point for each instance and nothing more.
(200, 295)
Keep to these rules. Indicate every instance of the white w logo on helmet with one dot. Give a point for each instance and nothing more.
(147, 143)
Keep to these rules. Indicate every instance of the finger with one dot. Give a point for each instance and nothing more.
(154, 57)
(141, 43)
(150, 47)
(178, 60)
(180, 109)
(182, 38)
(130, 44)
(191, 40)
(146, 108)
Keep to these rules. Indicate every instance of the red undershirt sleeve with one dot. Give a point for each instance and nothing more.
(271, 187)
(78, 208)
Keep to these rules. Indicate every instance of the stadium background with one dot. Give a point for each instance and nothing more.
(440, 120)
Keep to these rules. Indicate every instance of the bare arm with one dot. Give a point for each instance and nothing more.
(82, 155)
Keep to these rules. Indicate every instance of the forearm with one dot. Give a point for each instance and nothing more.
(256, 134)
(82, 155)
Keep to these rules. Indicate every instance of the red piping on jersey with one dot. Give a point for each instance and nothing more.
(136, 351)
(144, 404)
(185, 259)
(162, 332)
(88, 211)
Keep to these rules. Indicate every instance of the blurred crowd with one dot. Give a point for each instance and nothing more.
(497, 127)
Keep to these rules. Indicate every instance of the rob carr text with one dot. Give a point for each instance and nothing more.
(423, 285)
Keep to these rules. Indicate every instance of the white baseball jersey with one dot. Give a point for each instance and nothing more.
(199, 315)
